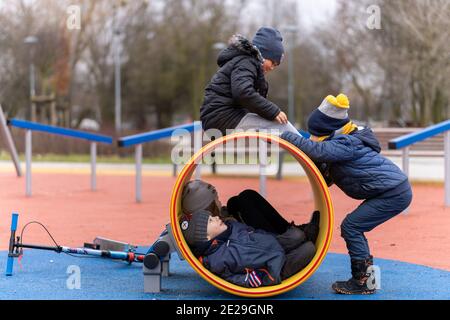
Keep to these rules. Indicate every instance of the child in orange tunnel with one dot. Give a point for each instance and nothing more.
(247, 242)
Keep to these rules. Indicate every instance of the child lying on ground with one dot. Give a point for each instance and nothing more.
(243, 255)
(249, 207)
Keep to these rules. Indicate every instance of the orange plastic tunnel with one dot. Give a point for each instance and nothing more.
(322, 202)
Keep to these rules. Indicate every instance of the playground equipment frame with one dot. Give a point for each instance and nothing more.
(323, 203)
(34, 126)
(138, 139)
(405, 141)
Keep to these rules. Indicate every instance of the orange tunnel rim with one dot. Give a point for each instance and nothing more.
(265, 291)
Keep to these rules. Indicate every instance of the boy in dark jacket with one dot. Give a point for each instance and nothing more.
(236, 97)
(243, 255)
(351, 158)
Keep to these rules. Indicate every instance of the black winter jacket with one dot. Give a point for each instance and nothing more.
(238, 87)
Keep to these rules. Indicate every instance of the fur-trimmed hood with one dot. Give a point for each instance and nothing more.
(237, 46)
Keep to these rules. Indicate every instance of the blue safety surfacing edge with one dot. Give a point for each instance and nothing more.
(48, 275)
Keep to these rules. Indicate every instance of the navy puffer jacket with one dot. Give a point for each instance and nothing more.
(237, 88)
(355, 163)
(245, 248)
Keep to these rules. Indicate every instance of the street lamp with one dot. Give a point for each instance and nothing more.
(292, 30)
(31, 41)
(117, 87)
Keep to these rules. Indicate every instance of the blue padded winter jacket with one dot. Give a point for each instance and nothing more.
(245, 248)
(355, 163)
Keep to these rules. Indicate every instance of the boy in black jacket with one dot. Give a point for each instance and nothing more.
(236, 97)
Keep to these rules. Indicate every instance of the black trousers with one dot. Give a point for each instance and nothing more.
(251, 208)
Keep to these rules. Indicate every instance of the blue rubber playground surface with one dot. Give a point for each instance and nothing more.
(44, 275)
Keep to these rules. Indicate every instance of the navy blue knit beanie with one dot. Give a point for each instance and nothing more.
(269, 42)
(331, 115)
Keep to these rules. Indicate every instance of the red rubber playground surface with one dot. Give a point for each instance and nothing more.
(74, 214)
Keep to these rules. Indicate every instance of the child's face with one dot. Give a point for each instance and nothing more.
(269, 65)
(215, 227)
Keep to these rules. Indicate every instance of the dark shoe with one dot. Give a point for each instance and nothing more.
(311, 229)
(357, 284)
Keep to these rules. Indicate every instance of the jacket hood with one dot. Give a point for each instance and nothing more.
(368, 138)
(238, 46)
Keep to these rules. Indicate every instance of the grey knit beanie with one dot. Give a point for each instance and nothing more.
(197, 195)
(195, 227)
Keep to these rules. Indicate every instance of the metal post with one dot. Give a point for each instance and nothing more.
(198, 140)
(93, 166)
(32, 81)
(280, 164)
(10, 260)
(291, 110)
(10, 142)
(292, 30)
(262, 167)
(138, 157)
(447, 167)
(117, 91)
(405, 161)
(28, 148)
(405, 166)
(31, 41)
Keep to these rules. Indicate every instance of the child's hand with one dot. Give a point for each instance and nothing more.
(281, 118)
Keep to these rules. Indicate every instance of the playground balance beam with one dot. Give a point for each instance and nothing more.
(30, 126)
(138, 139)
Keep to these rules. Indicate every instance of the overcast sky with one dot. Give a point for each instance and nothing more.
(312, 12)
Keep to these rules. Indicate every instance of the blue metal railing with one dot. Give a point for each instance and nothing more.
(156, 134)
(34, 126)
(30, 126)
(405, 141)
(411, 138)
(138, 139)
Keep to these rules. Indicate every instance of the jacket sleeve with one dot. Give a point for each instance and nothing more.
(243, 91)
(327, 151)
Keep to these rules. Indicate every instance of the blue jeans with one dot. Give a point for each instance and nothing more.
(370, 214)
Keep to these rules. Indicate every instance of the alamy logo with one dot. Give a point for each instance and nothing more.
(374, 281)
(374, 20)
(244, 151)
(73, 21)
(74, 279)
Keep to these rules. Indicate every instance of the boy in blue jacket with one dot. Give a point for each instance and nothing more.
(243, 255)
(349, 156)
